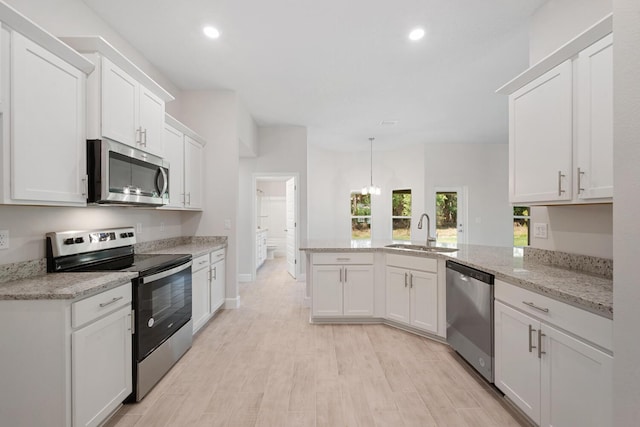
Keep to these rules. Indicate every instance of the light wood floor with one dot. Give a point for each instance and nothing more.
(265, 365)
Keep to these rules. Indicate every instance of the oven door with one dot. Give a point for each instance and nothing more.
(163, 305)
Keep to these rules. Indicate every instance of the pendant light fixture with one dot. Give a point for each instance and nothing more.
(371, 189)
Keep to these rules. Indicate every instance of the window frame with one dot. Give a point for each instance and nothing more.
(358, 217)
(409, 217)
(526, 217)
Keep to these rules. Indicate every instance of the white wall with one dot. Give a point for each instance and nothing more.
(421, 168)
(584, 230)
(558, 21)
(247, 132)
(282, 150)
(484, 170)
(626, 211)
(213, 115)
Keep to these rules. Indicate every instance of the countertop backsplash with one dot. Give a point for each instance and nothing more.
(584, 263)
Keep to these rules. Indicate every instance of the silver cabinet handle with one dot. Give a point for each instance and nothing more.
(184, 198)
(411, 280)
(104, 304)
(144, 132)
(580, 173)
(560, 176)
(540, 352)
(405, 279)
(139, 135)
(532, 305)
(340, 274)
(85, 181)
(215, 273)
(345, 274)
(189, 198)
(531, 346)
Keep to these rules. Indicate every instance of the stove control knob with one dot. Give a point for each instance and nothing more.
(150, 322)
(79, 240)
(123, 235)
(68, 241)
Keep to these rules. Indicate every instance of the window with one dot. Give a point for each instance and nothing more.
(401, 214)
(521, 226)
(447, 217)
(360, 216)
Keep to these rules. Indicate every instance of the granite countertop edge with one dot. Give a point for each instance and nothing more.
(582, 290)
(70, 286)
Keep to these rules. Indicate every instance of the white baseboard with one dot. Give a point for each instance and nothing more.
(232, 303)
(302, 278)
(306, 302)
(243, 278)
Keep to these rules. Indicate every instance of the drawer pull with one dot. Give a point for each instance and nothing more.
(220, 255)
(104, 304)
(405, 279)
(343, 259)
(531, 346)
(532, 305)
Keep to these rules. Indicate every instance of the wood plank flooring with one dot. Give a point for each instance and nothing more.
(265, 365)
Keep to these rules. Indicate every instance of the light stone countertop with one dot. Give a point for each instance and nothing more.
(31, 283)
(63, 286)
(583, 290)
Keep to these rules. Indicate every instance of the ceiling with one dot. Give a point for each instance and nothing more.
(341, 67)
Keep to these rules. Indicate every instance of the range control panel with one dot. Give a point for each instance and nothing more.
(74, 242)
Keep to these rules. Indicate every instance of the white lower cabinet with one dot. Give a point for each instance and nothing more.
(65, 362)
(411, 294)
(554, 377)
(207, 287)
(101, 374)
(217, 274)
(344, 288)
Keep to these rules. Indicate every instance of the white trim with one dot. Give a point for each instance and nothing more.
(244, 278)
(232, 303)
(302, 278)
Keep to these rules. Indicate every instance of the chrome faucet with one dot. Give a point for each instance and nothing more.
(431, 241)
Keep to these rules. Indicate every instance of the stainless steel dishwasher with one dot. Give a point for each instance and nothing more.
(470, 316)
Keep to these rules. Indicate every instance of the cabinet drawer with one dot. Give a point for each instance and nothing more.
(217, 256)
(343, 258)
(413, 262)
(93, 307)
(589, 326)
(200, 262)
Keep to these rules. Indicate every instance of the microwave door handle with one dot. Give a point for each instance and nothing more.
(165, 181)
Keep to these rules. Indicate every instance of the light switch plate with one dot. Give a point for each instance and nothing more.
(540, 230)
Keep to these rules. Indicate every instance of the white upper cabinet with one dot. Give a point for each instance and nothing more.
(42, 100)
(540, 137)
(184, 151)
(595, 121)
(125, 104)
(561, 124)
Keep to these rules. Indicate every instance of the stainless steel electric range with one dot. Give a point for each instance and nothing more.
(162, 330)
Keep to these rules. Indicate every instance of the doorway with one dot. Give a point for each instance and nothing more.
(451, 215)
(276, 220)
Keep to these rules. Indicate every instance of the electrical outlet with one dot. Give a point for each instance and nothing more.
(540, 230)
(4, 239)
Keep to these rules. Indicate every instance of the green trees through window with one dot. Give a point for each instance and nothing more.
(521, 222)
(401, 214)
(360, 216)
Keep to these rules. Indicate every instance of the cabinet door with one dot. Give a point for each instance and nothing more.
(424, 300)
(193, 173)
(174, 154)
(327, 290)
(48, 163)
(540, 138)
(398, 295)
(595, 121)
(200, 298)
(217, 284)
(576, 382)
(517, 366)
(151, 122)
(101, 367)
(358, 290)
(119, 105)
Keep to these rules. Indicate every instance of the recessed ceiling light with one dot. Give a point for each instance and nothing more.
(416, 34)
(211, 32)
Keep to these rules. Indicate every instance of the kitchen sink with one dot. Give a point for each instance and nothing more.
(422, 248)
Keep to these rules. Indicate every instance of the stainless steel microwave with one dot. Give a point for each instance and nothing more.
(119, 174)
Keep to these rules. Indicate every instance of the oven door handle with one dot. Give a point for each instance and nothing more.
(167, 273)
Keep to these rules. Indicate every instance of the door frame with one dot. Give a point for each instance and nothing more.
(274, 176)
(463, 197)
